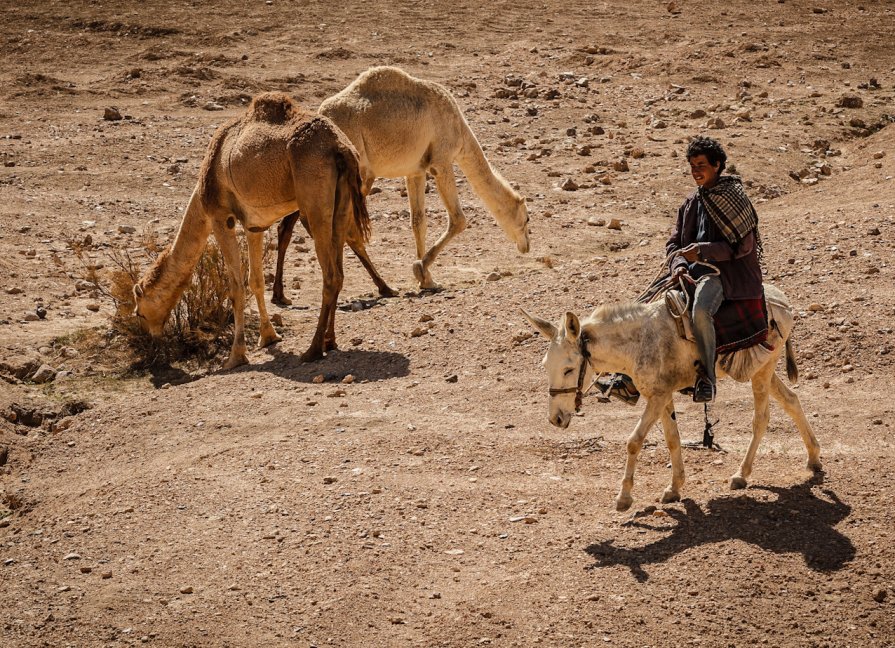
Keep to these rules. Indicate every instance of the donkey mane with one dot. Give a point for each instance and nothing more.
(614, 313)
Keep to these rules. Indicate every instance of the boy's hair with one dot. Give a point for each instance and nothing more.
(710, 148)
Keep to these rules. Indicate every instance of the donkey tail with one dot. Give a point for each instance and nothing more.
(792, 369)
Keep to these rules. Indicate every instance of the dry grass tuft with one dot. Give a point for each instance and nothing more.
(200, 326)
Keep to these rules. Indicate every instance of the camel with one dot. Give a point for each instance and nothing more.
(642, 341)
(406, 127)
(275, 159)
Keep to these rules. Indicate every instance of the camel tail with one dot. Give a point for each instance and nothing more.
(349, 172)
(792, 369)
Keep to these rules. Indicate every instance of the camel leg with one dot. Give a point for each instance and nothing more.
(654, 408)
(416, 196)
(357, 245)
(284, 236)
(791, 405)
(226, 238)
(447, 188)
(673, 440)
(761, 382)
(256, 283)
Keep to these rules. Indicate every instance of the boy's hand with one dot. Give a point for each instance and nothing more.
(691, 252)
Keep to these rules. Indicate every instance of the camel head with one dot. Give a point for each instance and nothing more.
(513, 220)
(564, 363)
(152, 319)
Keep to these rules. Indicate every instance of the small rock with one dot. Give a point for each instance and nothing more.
(319, 378)
(86, 570)
(186, 590)
(596, 222)
(419, 331)
(44, 374)
(213, 105)
(30, 317)
(276, 319)
(106, 575)
(879, 155)
(816, 308)
(494, 276)
(15, 290)
(41, 312)
(874, 231)
(850, 101)
(72, 556)
(698, 113)
(329, 480)
(452, 378)
(569, 185)
(4, 455)
(614, 224)
(620, 165)
(126, 229)
(347, 380)
(637, 153)
(112, 114)
(880, 595)
(93, 306)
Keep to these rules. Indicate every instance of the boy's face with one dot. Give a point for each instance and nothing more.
(704, 172)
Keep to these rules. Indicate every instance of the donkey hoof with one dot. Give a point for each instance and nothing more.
(623, 502)
(737, 483)
(669, 496)
(281, 300)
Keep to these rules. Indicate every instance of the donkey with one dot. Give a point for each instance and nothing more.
(642, 341)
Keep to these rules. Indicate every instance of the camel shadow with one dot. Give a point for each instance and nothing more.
(371, 366)
(797, 521)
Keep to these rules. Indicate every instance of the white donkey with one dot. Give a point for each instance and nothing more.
(642, 341)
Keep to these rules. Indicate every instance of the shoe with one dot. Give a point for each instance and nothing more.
(620, 386)
(703, 391)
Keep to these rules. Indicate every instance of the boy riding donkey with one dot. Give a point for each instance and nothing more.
(715, 242)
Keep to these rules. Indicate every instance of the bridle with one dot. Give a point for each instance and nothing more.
(578, 390)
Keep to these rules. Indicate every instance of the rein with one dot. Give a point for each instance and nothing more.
(578, 390)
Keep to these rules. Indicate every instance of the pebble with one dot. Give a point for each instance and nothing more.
(569, 185)
(419, 331)
(347, 380)
(329, 480)
(212, 105)
(614, 224)
(319, 378)
(106, 575)
(31, 317)
(850, 101)
(15, 290)
(276, 319)
(880, 595)
(86, 570)
(494, 276)
(186, 590)
(620, 165)
(596, 222)
(72, 556)
(452, 378)
(111, 114)
(44, 374)
(93, 306)
(126, 229)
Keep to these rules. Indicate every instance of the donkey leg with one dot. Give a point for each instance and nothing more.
(673, 440)
(447, 188)
(791, 405)
(284, 235)
(654, 408)
(761, 382)
(416, 195)
(256, 283)
(226, 238)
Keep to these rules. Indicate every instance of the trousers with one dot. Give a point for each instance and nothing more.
(706, 302)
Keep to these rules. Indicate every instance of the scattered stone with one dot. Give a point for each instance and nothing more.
(816, 308)
(452, 378)
(637, 153)
(339, 393)
(420, 331)
(186, 590)
(874, 231)
(44, 374)
(614, 224)
(15, 290)
(212, 105)
(454, 552)
(673, 8)
(106, 575)
(276, 319)
(86, 570)
(329, 480)
(4, 455)
(850, 101)
(596, 222)
(879, 155)
(620, 165)
(880, 595)
(528, 519)
(72, 556)
(698, 113)
(569, 185)
(319, 378)
(30, 317)
(93, 306)
(112, 114)
(126, 229)
(347, 380)
(494, 276)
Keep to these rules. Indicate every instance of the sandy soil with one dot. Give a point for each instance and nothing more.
(429, 502)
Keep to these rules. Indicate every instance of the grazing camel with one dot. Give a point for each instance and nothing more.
(404, 126)
(273, 160)
(642, 341)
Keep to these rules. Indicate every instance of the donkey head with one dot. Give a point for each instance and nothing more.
(566, 366)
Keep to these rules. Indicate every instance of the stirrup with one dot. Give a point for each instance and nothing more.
(620, 386)
(703, 391)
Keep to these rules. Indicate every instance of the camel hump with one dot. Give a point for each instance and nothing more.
(273, 108)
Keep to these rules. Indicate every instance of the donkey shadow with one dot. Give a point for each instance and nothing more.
(798, 521)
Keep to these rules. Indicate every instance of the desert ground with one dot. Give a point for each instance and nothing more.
(426, 500)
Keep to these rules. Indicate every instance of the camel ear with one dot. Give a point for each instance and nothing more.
(573, 327)
(544, 327)
(138, 291)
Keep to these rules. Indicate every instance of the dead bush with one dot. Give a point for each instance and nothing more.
(200, 326)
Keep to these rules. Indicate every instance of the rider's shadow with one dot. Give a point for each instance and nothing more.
(798, 521)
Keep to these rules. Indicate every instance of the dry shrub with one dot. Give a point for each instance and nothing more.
(200, 326)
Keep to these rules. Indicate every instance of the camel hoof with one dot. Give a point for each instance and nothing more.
(424, 277)
(311, 356)
(388, 292)
(815, 465)
(669, 496)
(623, 503)
(737, 483)
(268, 339)
(235, 361)
(281, 301)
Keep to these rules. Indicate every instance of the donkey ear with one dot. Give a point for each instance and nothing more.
(573, 326)
(545, 328)
(138, 291)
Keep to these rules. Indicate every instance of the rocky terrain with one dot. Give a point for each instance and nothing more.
(408, 489)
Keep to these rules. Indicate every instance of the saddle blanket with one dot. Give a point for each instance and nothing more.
(740, 324)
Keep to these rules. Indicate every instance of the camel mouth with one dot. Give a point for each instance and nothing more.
(523, 246)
